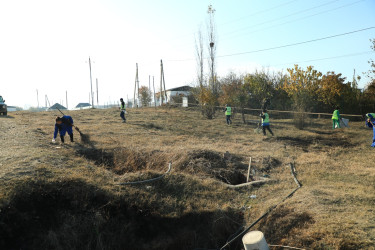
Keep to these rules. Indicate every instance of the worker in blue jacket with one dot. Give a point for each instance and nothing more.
(370, 121)
(63, 124)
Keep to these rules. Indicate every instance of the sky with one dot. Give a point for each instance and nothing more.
(45, 45)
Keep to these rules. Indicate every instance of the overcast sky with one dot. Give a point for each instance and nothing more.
(45, 44)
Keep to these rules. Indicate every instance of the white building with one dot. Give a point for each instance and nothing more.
(179, 91)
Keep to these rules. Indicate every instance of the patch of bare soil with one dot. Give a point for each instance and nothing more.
(317, 142)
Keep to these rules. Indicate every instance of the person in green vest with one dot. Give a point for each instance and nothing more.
(336, 118)
(265, 122)
(228, 113)
(122, 108)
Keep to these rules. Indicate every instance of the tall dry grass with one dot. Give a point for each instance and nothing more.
(333, 209)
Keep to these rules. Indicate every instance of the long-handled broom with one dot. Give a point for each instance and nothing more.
(84, 137)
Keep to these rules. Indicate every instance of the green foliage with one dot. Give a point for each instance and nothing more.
(302, 86)
(261, 86)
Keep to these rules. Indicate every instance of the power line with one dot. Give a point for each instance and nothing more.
(282, 46)
(299, 43)
(326, 58)
(295, 20)
(260, 12)
(283, 17)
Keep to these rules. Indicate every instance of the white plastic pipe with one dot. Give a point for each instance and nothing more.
(254, 240)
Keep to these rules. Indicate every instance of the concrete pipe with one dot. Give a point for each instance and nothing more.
(254, 240)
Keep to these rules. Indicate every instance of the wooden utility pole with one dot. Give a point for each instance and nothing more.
(37, 97)
(149, 86)
(153, 83)
(162, 84)
(92, 96)
(49, 104)
(162, 81)
(97, 93)
(136, 85)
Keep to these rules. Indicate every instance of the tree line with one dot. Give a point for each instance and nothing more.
(299, 89)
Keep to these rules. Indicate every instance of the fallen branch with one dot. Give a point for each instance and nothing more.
(149, 180)
(249, 183)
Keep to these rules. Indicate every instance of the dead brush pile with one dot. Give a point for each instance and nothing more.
(212, 164)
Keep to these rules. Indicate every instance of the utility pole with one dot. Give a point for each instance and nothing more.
(49, 104)
(153, 83)
(37, 97)
(149, 87)
(165, 90)
(92, 96)
(97, 93)
(162, 83)
(136, 85)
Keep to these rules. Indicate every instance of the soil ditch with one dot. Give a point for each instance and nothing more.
(226, 167)
(74, 215)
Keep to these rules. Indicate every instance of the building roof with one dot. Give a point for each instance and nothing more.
(57, 106)
(182, 88)
(83, 104)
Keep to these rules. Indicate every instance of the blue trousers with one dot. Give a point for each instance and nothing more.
(228, 119)
(373, 137)
(68, 129)
(123, 115)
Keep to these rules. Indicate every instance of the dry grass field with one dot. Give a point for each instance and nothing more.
(69, 196)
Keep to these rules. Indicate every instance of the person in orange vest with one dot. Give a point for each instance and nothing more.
(336, 118)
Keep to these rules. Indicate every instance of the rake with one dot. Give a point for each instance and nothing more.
(84, 137)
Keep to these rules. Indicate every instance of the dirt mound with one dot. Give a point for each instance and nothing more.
(75, 215)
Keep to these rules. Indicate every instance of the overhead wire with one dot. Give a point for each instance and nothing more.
(294, 20)
(259, 12)
(326, 58)
(283, 17)
(299, 43)
(281, 46)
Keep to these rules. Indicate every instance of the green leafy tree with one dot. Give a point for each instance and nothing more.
(331, 88)
(233, 93)
(261, 86)
(302, 86)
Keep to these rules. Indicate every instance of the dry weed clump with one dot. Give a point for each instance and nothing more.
(283, 223)
(213, 164)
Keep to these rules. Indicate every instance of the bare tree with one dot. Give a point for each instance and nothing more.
(211, 29)
(200, 64)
